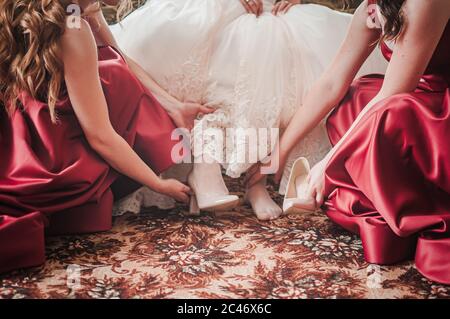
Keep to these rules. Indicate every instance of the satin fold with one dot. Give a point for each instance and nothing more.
(390, 180)
(26, 250)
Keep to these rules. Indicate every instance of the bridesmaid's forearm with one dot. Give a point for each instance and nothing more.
(116, 151)
(101, 30)
(103, 34)
(168, 102)
(366, 109)
(314, 109)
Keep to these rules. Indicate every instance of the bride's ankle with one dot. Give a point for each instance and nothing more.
(264, 207)
(207, 178)
(261, 185)
(206, 171)
(211, 193)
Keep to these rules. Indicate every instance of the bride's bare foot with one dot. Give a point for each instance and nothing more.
(263, 205)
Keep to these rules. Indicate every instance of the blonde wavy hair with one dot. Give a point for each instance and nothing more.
(126, 6)
(30, 53)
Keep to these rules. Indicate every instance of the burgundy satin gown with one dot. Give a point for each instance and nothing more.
(51, 179)
(390, 180)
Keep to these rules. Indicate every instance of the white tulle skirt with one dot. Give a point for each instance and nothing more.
(254, 70)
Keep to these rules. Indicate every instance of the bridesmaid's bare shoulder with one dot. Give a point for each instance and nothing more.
(426, 19)
(78, 42)
(427, 9)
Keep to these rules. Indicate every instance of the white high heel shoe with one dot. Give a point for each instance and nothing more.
(296, 200)
(209, 203)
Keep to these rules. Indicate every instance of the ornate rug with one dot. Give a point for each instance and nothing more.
(164, 254)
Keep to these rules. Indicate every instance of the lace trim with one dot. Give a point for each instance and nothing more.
(146, 198)
(237, 110)
(142, 199)
(188, 83)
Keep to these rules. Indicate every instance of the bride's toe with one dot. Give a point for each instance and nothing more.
(270, 213)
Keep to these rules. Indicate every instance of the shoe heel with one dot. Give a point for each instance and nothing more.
(194, 210)
(295, 200)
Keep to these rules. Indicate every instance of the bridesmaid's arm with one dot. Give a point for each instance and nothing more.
(334, 83)
(412, 53)
(425, 24)
(89, 104)
(103, 34)
(328, 91)
(182, 113)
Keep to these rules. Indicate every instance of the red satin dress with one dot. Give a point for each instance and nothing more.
(390, 180)
(51, 178)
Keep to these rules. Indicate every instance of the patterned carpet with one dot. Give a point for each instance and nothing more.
(163, 254)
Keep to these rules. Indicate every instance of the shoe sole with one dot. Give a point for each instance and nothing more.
(296, 210)
(222, 207)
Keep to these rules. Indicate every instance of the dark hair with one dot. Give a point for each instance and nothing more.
(395, 20)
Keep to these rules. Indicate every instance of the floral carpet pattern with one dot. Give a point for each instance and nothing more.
(165, 254)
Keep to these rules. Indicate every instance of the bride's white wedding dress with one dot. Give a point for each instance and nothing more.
(254, 70)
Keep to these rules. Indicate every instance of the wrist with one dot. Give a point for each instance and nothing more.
(324, 162)
(279, 158)
(157, 185)
(173, 106)
(329, 155)
(283, 152)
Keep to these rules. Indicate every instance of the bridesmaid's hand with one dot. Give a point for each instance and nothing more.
(184, 114)
(255, 7)
(282, 7)
(174, 189)
(317, 182)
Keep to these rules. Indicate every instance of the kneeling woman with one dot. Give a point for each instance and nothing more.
(76, 126)
(388, 174)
